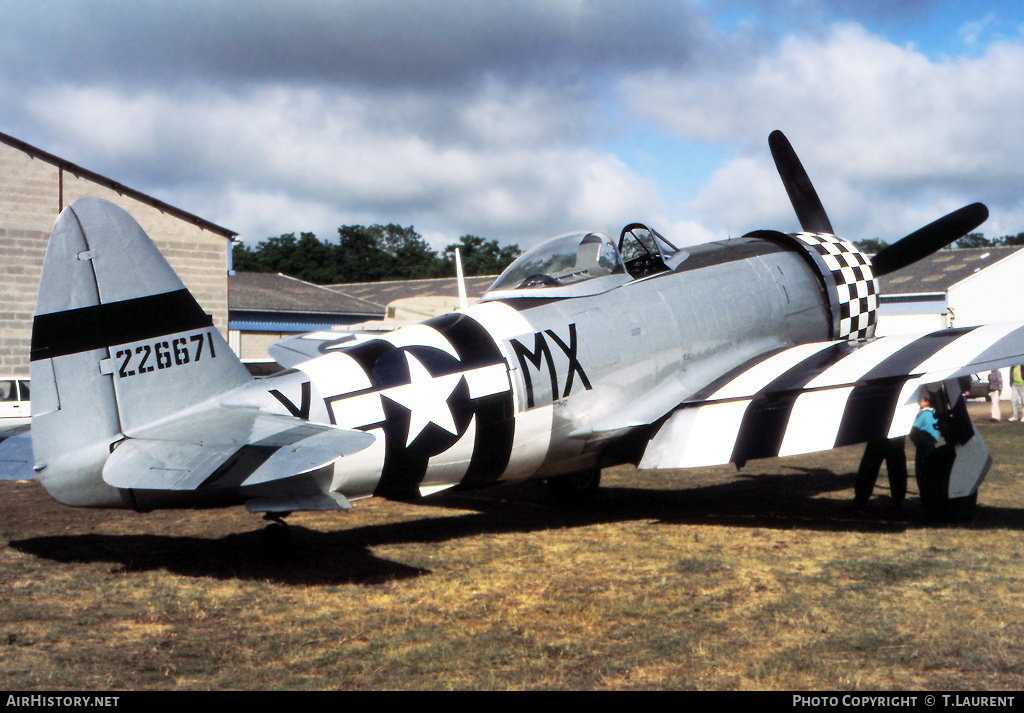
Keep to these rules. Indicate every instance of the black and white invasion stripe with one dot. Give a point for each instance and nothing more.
(824, 395)
(481, 405)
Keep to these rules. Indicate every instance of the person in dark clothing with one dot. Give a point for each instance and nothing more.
(995, 388)
(892, 451)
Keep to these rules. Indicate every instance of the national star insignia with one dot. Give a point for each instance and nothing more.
(426, 397)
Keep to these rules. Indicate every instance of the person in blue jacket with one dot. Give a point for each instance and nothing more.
(924, 434)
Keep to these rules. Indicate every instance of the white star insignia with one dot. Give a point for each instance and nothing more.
(426, 397)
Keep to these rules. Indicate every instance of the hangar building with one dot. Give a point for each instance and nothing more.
(416, 300)
(264, 307)
(35, 186)
(954, 288)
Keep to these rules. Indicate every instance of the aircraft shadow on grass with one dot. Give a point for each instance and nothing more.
(778, 500)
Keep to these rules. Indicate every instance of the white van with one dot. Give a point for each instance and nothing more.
(15, 405)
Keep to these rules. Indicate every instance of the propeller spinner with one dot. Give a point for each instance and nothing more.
(909, 249)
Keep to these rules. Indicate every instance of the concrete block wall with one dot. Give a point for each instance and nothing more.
(32, 192)
(252, 346)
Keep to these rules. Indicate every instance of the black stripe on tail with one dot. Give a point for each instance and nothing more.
(87, 328)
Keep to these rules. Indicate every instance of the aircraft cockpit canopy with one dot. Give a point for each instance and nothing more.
(565, 260)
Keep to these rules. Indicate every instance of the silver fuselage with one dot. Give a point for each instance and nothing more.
(545, 370)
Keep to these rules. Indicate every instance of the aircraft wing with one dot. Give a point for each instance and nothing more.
(824, 395)
(227, 447)
(291, 351)
(16, 459)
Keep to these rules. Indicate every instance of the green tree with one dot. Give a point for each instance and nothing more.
(871, 246)
(384, 252)
(412, 258)
(244, 258)
(369, 254)
(975, 240)
(481, 257)
(359, 257)
(305, 257)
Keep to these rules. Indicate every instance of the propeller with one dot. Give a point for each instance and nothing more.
(924, 241)
(802, 195)
(905, 251)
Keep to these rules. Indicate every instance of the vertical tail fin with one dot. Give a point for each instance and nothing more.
(118, 342)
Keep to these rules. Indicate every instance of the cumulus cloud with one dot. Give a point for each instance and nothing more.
(384, 43)
(506, 120)
(453, 116)
(888, 135)
(508, 169)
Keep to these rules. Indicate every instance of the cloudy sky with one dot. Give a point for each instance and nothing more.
(520, 120)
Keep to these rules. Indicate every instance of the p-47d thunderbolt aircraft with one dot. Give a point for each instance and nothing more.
(586, 352)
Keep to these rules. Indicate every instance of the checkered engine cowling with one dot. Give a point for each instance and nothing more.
(851, 286)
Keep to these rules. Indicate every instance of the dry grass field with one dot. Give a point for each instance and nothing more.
(707, 579)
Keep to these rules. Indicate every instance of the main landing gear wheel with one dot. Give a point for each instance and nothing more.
(276, 536)
(575, 488)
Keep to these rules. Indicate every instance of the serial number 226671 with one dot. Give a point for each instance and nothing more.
(165, 354)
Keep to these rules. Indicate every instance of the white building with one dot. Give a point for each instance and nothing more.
(954, 288)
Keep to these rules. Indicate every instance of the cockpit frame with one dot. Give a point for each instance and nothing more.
(645, 252)
(586, 263)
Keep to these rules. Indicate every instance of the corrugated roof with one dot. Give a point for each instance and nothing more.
(274, 292)
(935, 273)
(943, 269)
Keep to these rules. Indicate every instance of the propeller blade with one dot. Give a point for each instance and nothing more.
(934, 236)
(798, 185)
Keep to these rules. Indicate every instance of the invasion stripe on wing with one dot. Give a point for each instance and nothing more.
(986, 343)
(820, 396)
(863, 415)
(760, 375)
(894, 381)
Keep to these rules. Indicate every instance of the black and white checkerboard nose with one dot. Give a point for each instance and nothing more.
(852, 287)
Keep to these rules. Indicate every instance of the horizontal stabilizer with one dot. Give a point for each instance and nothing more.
(824, 395)
(188, 456)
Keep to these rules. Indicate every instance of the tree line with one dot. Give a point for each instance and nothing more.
(392, 252)
(971, 240)
(370, 254)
